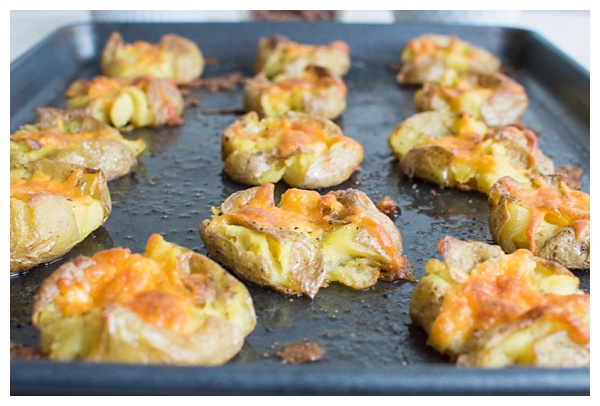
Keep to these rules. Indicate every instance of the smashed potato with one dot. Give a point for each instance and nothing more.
(307, 241)
(168, 305)
(544, 216)
(173, 57)
(73, 137)
(489, 309)
(492, 97)
(427, 57)
(458, 151)
(304, 151)
(121, 102)
(278, 55)
(314, 91)
(53, 207)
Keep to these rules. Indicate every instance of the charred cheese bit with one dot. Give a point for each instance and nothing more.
(533, 214)
(295, 148)
(358, 243)
(167, 305)
(427, 57)
(173, 57)
(516, 298)
(277, 55)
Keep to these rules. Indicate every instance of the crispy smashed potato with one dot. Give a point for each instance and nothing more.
(74, 137)
(427, 57)
(121, 102)
(489, 309)
(458, 151)
(278, 55)
(544, 216)
(492, 97)
(307, 241)
(53, 207)
(314, 91)
(168, 305)
(173, 57)
(304, 151)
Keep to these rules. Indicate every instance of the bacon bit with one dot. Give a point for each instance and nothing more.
(237, 112)
(394, 68)
(23, 352)
(388, 207)
(211, 61)
(227, 83)
(572, 174)
(191, 102)
(301, 352)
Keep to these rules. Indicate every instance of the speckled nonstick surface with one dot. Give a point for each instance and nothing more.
(370, 345)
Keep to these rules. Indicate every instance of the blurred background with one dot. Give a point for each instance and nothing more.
(567, 29)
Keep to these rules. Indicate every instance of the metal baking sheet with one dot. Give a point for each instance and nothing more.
(370, 345)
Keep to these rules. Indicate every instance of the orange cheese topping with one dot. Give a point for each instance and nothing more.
(155, 291)
(563, 207)
(142, 54)
(59, 139)
(24, 189)
(293, 50)
(309, 213)
(292, 135)
(502, 292)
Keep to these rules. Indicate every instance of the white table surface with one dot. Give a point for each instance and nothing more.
(568, 30)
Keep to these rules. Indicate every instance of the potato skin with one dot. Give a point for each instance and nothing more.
(283, 256)
(314, 91)
(328, 165)
(487, 309)
(108, 150)
(493, 97)
(566, 243)
(467, 159)
(116, 328)
(181, 59)
(427, 57)
(47, 225)
(278, 54)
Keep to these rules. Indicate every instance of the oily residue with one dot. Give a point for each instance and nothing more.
(301, 352)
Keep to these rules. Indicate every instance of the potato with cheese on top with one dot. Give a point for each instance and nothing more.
(173, 57)
(303, 151)
(122, 102)
(314, 91)
(53, 207)
(305, 242)
(461, 152)
(485, 308)
(428, 56)
(279, 55)
(544, 216)
(168, 305)
(74, 137)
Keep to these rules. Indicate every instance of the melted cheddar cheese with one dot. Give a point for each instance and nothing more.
(24, 188)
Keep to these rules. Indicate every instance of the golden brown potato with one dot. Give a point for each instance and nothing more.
(427, 57)
(307, 241)
(173, 57)
(492, 97)
(306, 152)
(53, 207)
(278, 55)
(458, 151)
(315, 91)
(544, 216)
(489, 309)
(74, 137)
(168, 305)
(121, 102)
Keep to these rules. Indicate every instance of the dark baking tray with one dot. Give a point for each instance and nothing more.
(371, 347)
